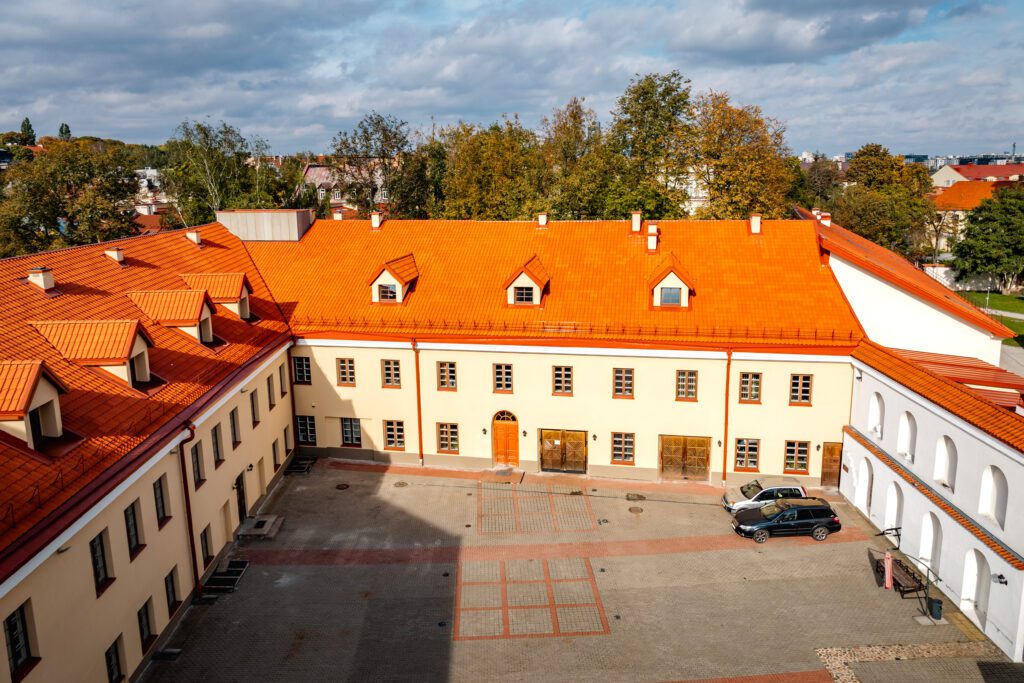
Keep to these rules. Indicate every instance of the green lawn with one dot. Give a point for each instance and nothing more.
(1002, 302)
(1015, 325)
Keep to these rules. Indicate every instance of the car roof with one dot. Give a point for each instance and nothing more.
(772, 482)
(803, 503)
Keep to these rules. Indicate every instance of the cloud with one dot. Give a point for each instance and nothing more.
(296, 72)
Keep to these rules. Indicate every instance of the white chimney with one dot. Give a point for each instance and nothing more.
(652, 237)
(542, 220)
(193, 236)
(637, 219)
(115, 253)
(375, 220)
(816, 211)
(755, 224)
(42, 277)
(825, 218)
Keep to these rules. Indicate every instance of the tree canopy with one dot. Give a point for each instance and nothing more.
(993, 240)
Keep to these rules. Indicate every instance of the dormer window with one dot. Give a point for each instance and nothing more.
(670, 285)
(30, 403)
(230, 290)
(526, 286)
(117, 347)
(189, 310)
(392, 281)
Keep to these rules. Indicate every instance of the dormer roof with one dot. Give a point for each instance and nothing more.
(671, 264)
(534, 269)
(222, 287)
(18, 382)
(173, 307)
(402, 269)
(93, 342)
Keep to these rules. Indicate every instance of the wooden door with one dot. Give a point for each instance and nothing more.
(685, 457)
(505, 439)
(563, 450)
(831, 463)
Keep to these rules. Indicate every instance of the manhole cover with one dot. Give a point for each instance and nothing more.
(341, 487)
(636, 510)
(576, 493)
(635, 496)
(401, 484)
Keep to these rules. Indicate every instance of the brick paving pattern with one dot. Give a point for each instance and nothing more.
(532, 508)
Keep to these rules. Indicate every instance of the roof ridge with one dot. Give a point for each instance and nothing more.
(93, 245)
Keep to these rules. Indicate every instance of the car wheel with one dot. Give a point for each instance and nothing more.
(760, 536)
(820, 533)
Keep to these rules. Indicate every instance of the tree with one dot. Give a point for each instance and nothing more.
(579, 161)
(365, 158)
(739, 157)
(993, 240)
(823, 179)
(887, 217)
(28, 134)
(493, 173)
(75, 193)
(64, 133)
(874, 168)
(417, 185)
(207, 170)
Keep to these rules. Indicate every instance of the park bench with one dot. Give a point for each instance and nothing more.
(904, 579)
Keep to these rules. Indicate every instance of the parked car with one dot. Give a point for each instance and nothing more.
(761, 491)
(788, 517)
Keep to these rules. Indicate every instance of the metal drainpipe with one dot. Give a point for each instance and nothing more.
(725, 426)
(419, 406)
(188, 508)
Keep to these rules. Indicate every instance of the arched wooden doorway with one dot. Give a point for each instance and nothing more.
(505, 438)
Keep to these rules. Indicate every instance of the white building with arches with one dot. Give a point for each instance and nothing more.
(930, 457)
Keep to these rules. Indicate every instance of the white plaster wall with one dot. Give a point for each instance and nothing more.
(894, 318)
(522, 281)
(672, 280)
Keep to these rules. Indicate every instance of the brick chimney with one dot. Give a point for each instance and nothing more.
(375, 220)
(755, 224)
(193, 236)
(116, 253)
(542, 220)
(825, 219)
(652, 238)
(635, 220)
(42, 277)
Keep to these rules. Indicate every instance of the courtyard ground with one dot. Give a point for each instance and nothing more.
(422, 575)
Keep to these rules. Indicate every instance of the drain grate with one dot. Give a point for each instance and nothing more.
(341, 487)
(632, 497)
(636, 510)
(401, 484)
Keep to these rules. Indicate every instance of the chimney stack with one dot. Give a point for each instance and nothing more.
(115, 253)
(375, 220)
(542, 220)
(636, 219)
(755, 224)
(825, 218)
(193, 236)
(652, 238)
(816, 211)
(41, 277)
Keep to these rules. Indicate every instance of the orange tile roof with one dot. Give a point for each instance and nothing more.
(890, 266)
(966, 195)
(1000, 423)
(534, 270)
(117, 424)
(92, 342)
(769, 290)
(1004, 551)
(997, 171)
(965, 370)
(18, 381)
(402, 269)
(174, 307)
(671, 264)
(222, 287)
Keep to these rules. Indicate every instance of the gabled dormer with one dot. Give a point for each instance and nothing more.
(119, 347)
(190, 310)
(30, 403)
(391, 281)
(670, 286)
(528, 284)
(231, 290)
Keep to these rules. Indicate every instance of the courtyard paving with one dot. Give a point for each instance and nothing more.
(420, 575)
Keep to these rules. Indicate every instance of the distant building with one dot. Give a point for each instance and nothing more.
(328, 184)
(947, 175)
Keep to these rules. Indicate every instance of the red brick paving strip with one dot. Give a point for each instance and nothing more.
(538, 551)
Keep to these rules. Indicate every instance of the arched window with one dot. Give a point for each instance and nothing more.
(977, 582)
(876, 414)
(894, 507)
(931, 542)
(863, 486)
(993, 495)
(945, 463)
(906, 437)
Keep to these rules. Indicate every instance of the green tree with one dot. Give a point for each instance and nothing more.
(207, 170)
(28, 134)
(823, 180)
(64, 133)
(75, 193)
(739, 157)
(493, 173)
(993, 240)
(873, 167)
(365, 158)
(885, 216)
(579, 160)
(417, 185)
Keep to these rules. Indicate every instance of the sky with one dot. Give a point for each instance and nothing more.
(915, 75)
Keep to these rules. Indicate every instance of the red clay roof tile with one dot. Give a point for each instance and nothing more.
(174, 307)
(92, 342)
(222, 287)
(18, 381)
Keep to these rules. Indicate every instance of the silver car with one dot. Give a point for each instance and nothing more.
(761, 491)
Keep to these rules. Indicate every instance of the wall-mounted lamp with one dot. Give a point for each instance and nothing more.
(63, 549)
(245, 391)
(249, 468)
(593, 437)
(998, 578)
(719, 442)
(484, 430)
(524, 432)
(858, 374)
(818, 447)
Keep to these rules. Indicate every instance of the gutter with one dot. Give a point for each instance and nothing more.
(191, 532)
(725, 425)
(419, 405)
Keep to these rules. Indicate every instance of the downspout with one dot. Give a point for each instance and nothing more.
(188, 507)
(419, 405)
(725, 426)
(291, 395)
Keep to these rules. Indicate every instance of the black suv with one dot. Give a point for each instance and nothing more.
(788, 517)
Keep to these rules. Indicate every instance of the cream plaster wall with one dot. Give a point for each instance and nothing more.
(386, 278)
(522, 281)
(45, 392)
(892, 317)
(672, 280)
